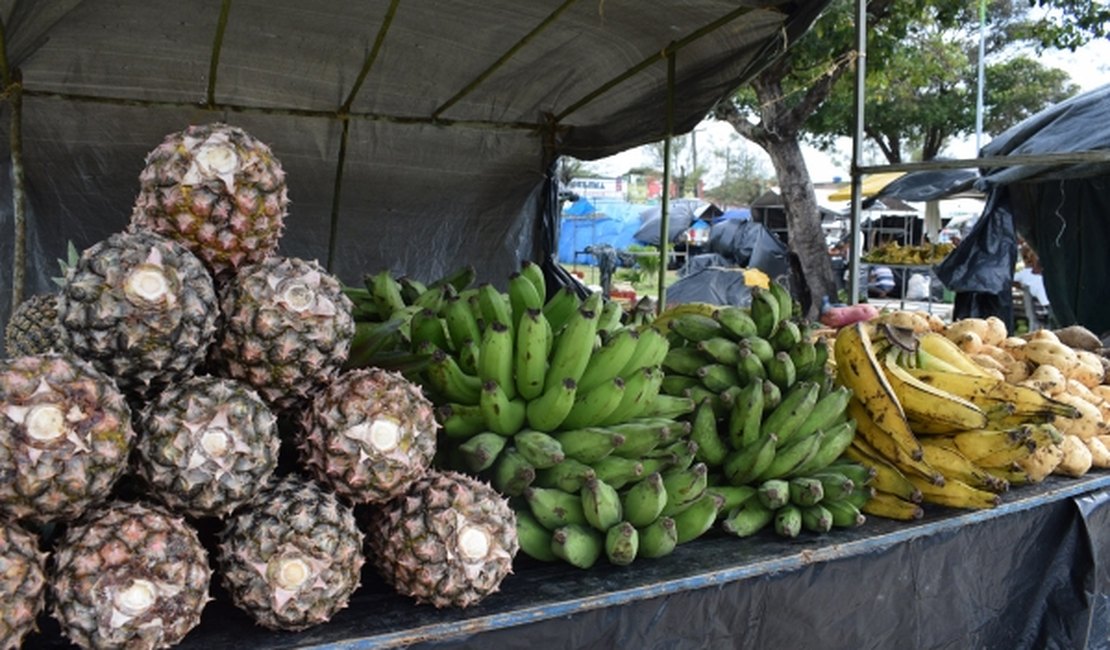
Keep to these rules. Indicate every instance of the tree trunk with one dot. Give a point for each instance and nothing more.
(803, 219)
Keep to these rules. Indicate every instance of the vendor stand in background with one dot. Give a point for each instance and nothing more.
(1031, 573)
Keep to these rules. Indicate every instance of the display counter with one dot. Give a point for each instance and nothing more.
(1032, 573)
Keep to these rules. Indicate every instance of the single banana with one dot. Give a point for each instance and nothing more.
(845, 514)
(787, 334)
(749, 368)
(662, 322)
(731, 495)
(494, 306)
(546, 412)
(481, 450)
(829, 411)
(711, 449)
(640, 391)
(937, 352)
(857, 473)
(695, 327)
(588, 445)
(887, 477)
(651, 348)
(678, 384)
(720, 349)
(658, 538)
(882, 444)
(460, 421)
(792, 411)
(617, 471)
(622, 543)
(591, 407)
(790, 457)
(832, 445)
(746, 416)
(922, 400)
(772, 397)
(954, 465)
(503, 414)
(990, 391)
(606, 361)
(644, 500)
(534, 539)
(804, 356)
(512, 474)
(890, 506)
(978, 444)
(641, 435)
(530, 354)
(668, 406)
(737, 321)
(835, 486)
(459, 279)
(601, 504)
(764, 311)
(955, 494)
(781, 370)
(718, 377)
(685, 360)
(495, 357)
(816, 518)
(466, 355)
(460, 321)
(538, 448)
(446, 378)
(747, 519)
(785, 300)
(426, 325)
(611, 317)
(697, 518)
(574, 345)
(554, 508)
(860, 370)
(773, 493)
(560, 306)
(522, 296)
(761, 347)
(679, 455)
(577, 545)
(684, 486)
(806, 491)
(567, 476)
(386, 292)
(534, 273)
(742, 466)
(788, 521)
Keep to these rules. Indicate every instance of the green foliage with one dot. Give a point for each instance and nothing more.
(647, 261)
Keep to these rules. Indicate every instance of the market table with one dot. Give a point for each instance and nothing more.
(1032, 573)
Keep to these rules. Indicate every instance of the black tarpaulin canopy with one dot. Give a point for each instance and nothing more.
(416, 136)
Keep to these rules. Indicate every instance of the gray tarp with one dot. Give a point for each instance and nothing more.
(455, 110)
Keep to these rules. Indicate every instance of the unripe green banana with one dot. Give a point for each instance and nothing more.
(574, 345)
(495, 357)
(460, 278)
(426, 325)
(386, 292)
(685, 360)
(640, 391)
(512, 474)
(622, 542)
(773, 493)
(806, 491)
(494, 306)
(781, 371)
(446, 378)
(684, 486)
(720, 349)
(816, 518)
(772, 397)
(804, 356)
(590, 444)
(651, 349)
(466, 355)
(785, 300)
(844, 514)
(460, 421)
(674, 384)
(835, 486)
(606, 361)
(668, 406)
(594, 405)
(698, 517)
(658, 538)
(732, 495)
(601, 504)
(761, 347)
(718, 377)
(695, 327)
(737, 321)
(577, 545)
(746, 416)
(567, 476)
(788, 521)
(530, 354)
(711, 449)
(749, 368)
(764, 311)
(644, 500)
(744, 465)
(535, 275)
(547, 412)
(787, 334)
(481, 450)
(833, 443)
(412, 289)
(789, 458)
(827, 411)
(821, 353)
(795, 407)
(747, 519)
(611, 317)
(539, 448)
(560, 306)
(641, 435)
(522, 296)
(554, 508)
(460, 321)
(617, 471)
(503, 415)
(534, 539)
(855, 472)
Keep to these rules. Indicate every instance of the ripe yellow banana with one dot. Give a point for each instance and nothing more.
(937, 352)
(989, 392)
(890, 506)
(956, 494)
(860, 370)
(925, 401)
(954, 465)
(882, 445)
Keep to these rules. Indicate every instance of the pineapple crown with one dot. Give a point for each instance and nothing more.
(72, 255)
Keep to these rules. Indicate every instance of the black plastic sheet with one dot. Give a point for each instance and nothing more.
(980, 270)
(713, 284)
(927, 185)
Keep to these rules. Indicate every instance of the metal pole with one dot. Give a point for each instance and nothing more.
(982, 75)
(665, 215)
(857, 152)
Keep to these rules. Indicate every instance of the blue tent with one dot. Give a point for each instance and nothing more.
(610, 221)
(739, 214)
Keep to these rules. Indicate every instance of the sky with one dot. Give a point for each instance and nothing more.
(1089, 68)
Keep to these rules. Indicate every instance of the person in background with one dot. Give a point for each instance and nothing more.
(880, 281)
(1030, 275)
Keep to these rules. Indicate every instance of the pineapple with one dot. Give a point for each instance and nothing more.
(207, 445)
(141, 308)
(129, 575)
(448, 541)
(287, 331)
(34, 327)
(219, 191)
(22, 583)
(291, 558)
(369, 435)
(65, 434)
